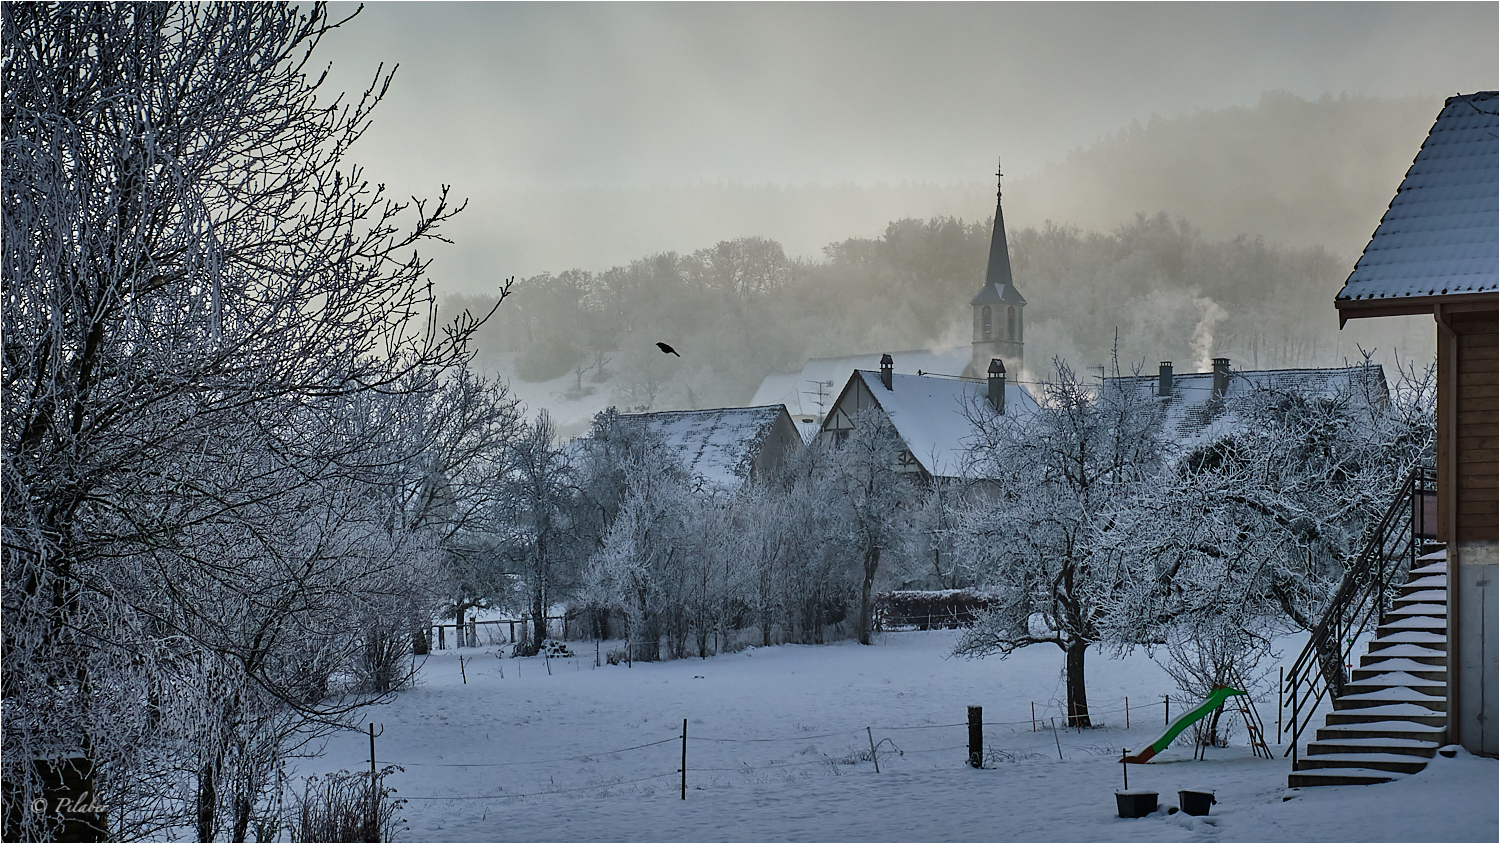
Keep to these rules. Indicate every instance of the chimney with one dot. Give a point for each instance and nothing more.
(1164, 379)
(997, 385)
(1221, 377)
(886, 364)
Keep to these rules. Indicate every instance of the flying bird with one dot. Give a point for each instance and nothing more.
(667, 350)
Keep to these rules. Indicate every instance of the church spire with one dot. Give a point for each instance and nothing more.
(998, 283)
(998, 322)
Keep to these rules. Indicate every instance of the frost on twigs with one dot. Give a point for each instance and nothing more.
(212, 320)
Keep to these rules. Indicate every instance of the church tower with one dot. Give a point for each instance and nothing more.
(998, 327)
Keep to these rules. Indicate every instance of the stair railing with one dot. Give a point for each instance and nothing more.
(1362, 598)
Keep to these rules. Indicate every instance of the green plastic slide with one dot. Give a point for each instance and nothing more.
(1214, 701)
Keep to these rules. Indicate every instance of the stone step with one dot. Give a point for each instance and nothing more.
(1406, 658)
(1423, 596)
(1410, 622)
(1339, 776)
(1416, 713)
(1400, 763)
(1408, 650)
(1428, 581)
(1395, 696)
(1394, 680)
(1396, 730)
(1409, 637)
(1428, 609)
(1421, 676)
(1425, 748)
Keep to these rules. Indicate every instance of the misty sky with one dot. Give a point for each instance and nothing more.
(520, 95)
(496, 98)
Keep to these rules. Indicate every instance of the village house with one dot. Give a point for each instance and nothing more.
(724, 447)
(930, 413)
(1199, 408)
(1435, 252)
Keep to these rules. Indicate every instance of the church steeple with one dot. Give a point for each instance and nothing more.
(998, 326)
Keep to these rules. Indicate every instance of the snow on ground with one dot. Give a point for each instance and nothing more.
(778, 751)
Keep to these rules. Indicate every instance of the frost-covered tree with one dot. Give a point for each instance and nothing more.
(196, 283)
(873, 498)
(539, 506)
(637, 568)
(1047, 539)
(1257, 527)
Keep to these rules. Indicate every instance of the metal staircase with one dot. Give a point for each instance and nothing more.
(1392, 715)
(1389, 715)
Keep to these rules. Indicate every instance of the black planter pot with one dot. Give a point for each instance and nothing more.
(1195, 802)
(1135, 804)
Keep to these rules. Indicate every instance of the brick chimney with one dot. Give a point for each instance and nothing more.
(1164, 379)
(1221, 377)
(886, 365)
(997, 385)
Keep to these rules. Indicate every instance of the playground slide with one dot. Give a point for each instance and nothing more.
(1214, 701)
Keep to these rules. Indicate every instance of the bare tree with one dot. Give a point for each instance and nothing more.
(195, 282)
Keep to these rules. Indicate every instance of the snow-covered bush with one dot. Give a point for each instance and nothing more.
(346, 807)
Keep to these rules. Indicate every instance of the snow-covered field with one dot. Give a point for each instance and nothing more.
(778, 751)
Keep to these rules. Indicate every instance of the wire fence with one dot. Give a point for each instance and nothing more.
(873, 745)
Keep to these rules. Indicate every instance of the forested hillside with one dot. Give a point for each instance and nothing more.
(1218, 233)
(741, 310)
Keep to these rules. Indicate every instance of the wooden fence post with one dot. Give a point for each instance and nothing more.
(976, 737)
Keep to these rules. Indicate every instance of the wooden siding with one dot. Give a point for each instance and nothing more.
(1469, 444)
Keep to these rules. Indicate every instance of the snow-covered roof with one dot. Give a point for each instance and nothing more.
(718, 446)
(1439, 236)
(930, 415)
(1191, 416)
(799, 390)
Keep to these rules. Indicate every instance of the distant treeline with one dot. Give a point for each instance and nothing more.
(742, 309)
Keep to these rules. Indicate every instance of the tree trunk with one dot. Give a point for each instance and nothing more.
(208, 803)
(538, 621)
(1078, 702)
(649, 648)
(872, 563)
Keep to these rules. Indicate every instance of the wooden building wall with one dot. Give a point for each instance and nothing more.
(1467, 394)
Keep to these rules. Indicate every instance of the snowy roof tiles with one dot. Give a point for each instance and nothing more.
(799, 390)
(1439, 236)
(719, 446)
(928, 413)
(1191, 416)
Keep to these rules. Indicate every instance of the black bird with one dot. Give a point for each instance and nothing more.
(667, 350)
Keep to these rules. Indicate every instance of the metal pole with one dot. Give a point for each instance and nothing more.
(1280, 683)
(684, 759)
(873, 757)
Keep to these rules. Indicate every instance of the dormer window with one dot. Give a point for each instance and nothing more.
(984, 317)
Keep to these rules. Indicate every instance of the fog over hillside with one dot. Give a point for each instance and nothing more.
(1295, 171)
(1217, 233)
